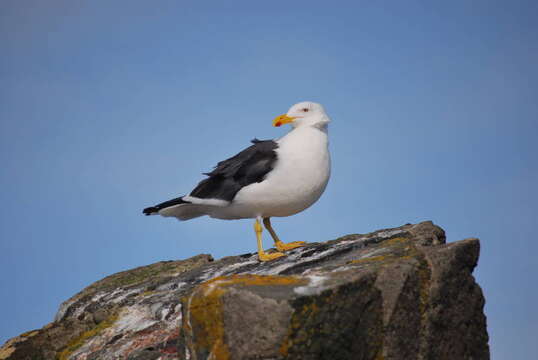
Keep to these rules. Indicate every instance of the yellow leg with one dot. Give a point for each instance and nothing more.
(262, 255)
(279, 244)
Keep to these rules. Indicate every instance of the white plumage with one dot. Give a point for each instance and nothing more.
(269, 179)
(297, 181)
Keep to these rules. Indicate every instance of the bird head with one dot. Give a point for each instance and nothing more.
(305, 113)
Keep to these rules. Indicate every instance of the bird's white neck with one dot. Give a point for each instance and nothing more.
(319, 121)
(320, 126)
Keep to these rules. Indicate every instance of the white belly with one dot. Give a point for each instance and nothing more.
(297, 181)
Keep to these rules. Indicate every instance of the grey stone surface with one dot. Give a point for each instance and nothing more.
(401, 293)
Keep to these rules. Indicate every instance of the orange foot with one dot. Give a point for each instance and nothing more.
(285, 247)
(269, 256)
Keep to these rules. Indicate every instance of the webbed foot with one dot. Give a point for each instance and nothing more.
(269, 256)
(286, 247)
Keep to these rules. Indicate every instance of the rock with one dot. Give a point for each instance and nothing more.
(399, 293)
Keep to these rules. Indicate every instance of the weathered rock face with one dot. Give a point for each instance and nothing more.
(400, 293)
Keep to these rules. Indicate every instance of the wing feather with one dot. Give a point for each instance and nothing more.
(247, 167)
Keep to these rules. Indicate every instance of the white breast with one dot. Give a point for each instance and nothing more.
(297, 181)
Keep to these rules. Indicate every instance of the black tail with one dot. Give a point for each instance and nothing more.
(150, 210)
(155, 209)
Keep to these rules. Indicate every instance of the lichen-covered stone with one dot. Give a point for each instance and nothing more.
(398, 293)
(129, 311)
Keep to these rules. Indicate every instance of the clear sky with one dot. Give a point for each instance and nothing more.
(109, 107)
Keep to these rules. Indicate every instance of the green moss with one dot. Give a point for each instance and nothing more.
(314, 320)
(142, 274)
(147, 293)
(131, 277)
(80, 340)
(395, 241)
(345, 238)
(368, 260)
(424, 274)
(307, 310)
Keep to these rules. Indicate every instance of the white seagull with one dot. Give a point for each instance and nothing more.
(271, 178)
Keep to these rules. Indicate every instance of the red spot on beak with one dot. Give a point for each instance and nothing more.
(278, 123)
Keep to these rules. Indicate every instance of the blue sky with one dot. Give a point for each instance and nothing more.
(106, 108)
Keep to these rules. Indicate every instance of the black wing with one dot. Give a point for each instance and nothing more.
(229, 176)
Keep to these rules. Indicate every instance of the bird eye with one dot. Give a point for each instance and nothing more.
(305, 109)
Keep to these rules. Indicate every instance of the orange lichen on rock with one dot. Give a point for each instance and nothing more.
(205, 309)
(252, 280)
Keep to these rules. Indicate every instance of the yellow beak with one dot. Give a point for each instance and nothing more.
(282, 119)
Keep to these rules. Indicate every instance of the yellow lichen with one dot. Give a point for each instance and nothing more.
(29, 333)
(379, 355)
(309, 310)
(402, 249)
(9, 347)
(206, 313)
(250, 279)
(6, 351)
(394, 241)
(80, 340)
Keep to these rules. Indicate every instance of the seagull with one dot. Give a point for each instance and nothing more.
(270, 178)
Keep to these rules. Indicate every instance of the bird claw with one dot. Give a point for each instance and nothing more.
(268, 257)
(292, 245)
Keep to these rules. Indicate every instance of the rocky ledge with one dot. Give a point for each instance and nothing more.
(399, 293)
